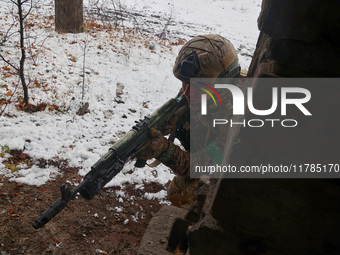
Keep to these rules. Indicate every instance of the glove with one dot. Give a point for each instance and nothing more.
(169, 126)
(158, 144)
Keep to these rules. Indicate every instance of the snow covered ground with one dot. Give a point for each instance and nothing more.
(127, 76)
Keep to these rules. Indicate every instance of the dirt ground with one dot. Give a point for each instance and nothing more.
(85, 227)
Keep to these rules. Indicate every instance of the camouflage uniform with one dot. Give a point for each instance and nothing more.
(210, 56)
(182, 188)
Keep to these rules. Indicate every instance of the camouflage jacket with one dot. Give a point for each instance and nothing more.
(177, 157)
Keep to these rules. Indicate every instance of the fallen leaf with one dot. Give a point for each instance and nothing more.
(9, 93)
(56, 240)
(7, 75)
(23, 155)
(10, 166)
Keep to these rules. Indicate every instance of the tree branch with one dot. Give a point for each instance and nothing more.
(29, 11)
(9, 63)
(14, 2)
(6, 36)
(9, 100)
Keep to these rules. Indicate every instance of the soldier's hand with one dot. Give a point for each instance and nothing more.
(157, 145)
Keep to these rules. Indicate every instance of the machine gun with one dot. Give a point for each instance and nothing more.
(114, 160)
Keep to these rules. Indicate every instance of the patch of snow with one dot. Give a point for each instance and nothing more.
(159, 195)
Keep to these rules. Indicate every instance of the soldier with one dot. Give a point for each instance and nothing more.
(209, 56)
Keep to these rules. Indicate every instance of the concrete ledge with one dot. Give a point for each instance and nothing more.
(156, 236)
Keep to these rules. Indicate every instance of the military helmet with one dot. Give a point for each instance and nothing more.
(207, 56)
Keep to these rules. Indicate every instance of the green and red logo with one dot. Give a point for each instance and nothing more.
(209, 93)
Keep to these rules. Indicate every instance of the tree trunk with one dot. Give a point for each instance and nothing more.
(23, 52)
(69, 16)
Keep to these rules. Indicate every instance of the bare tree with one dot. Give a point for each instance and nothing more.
(69, 16)
(84, 44)
(22, 17)
(21, 67)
